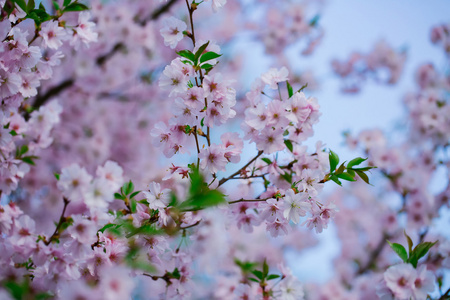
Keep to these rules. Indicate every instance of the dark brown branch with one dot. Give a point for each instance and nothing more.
(61, 221)
(374, 255)
(223, 180)
(42, 99)
(190, 226)
(445, 296)
(248, 200)
(158, 12)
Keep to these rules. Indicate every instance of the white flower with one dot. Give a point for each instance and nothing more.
(156, 198)
(400, 280)
(295, 205)
(172, 31)
(273, 76)
(74, 181)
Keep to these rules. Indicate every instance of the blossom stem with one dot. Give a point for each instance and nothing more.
(61, 221)
(223, 180)
(248, 200)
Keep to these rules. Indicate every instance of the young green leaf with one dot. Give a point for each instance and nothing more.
(346, 176)
(21, 4)
(206, 66)
(289, 88)
(273, 276)
(410, 243)
(67, 2)
(288, 144)
(200, 51)
(187, 54)
(334, 161)
(420, 251)
(258, 274)
(76, 7)
(356, 161)
(400, 250)
(208, 56)
(30, 5)
(335, 179)
(266, 160)
(265, 269)
(362, 175)
(128, 188)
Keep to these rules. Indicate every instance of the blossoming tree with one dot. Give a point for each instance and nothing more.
(136, 164)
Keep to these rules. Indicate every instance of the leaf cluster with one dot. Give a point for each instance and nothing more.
(415, 254)
(199, 59)
(346, 172)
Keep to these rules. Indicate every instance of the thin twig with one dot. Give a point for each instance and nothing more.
(374, 255)
(61, 221)
(223, 180)
(248, 200)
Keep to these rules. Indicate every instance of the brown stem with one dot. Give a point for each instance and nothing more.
(190, 226)
(374, 255)
(248, 200)
(61, 221)
(445, 296)
(158, 12)
(223, 180)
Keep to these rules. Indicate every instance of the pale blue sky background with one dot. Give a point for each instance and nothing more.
(356, 25)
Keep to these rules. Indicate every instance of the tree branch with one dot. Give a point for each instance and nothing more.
(223, 180)
(61, 221)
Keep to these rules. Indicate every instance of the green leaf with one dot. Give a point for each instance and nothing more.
(76, 7)
(334, 161)
(21, 4)
(410, 243)
(39, 16)
(202, 122)
(119, 196)
(273, 276)
(346, 176)
(30, 5)
(187, 54)
(287, 176)
(109, 225)
(200, 51)
(56, 176)
(266, 160)
(134, 194)
(351, 172)
(253, 279)
(314, 21)
(128, 188)
(289, 88)
(56, 5)
(29, 159)
(13, 133)
(356, 161)
(133, 205)
(203, 200)
(258, 274)
(265, 269)
(400, 250)
(340, 169)
(67, 2)
(420, 251)
(362, 175)
(207, 66)
(23, 150)
(187, 129)
(288, 144)
(208, 56)
(335, 179)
